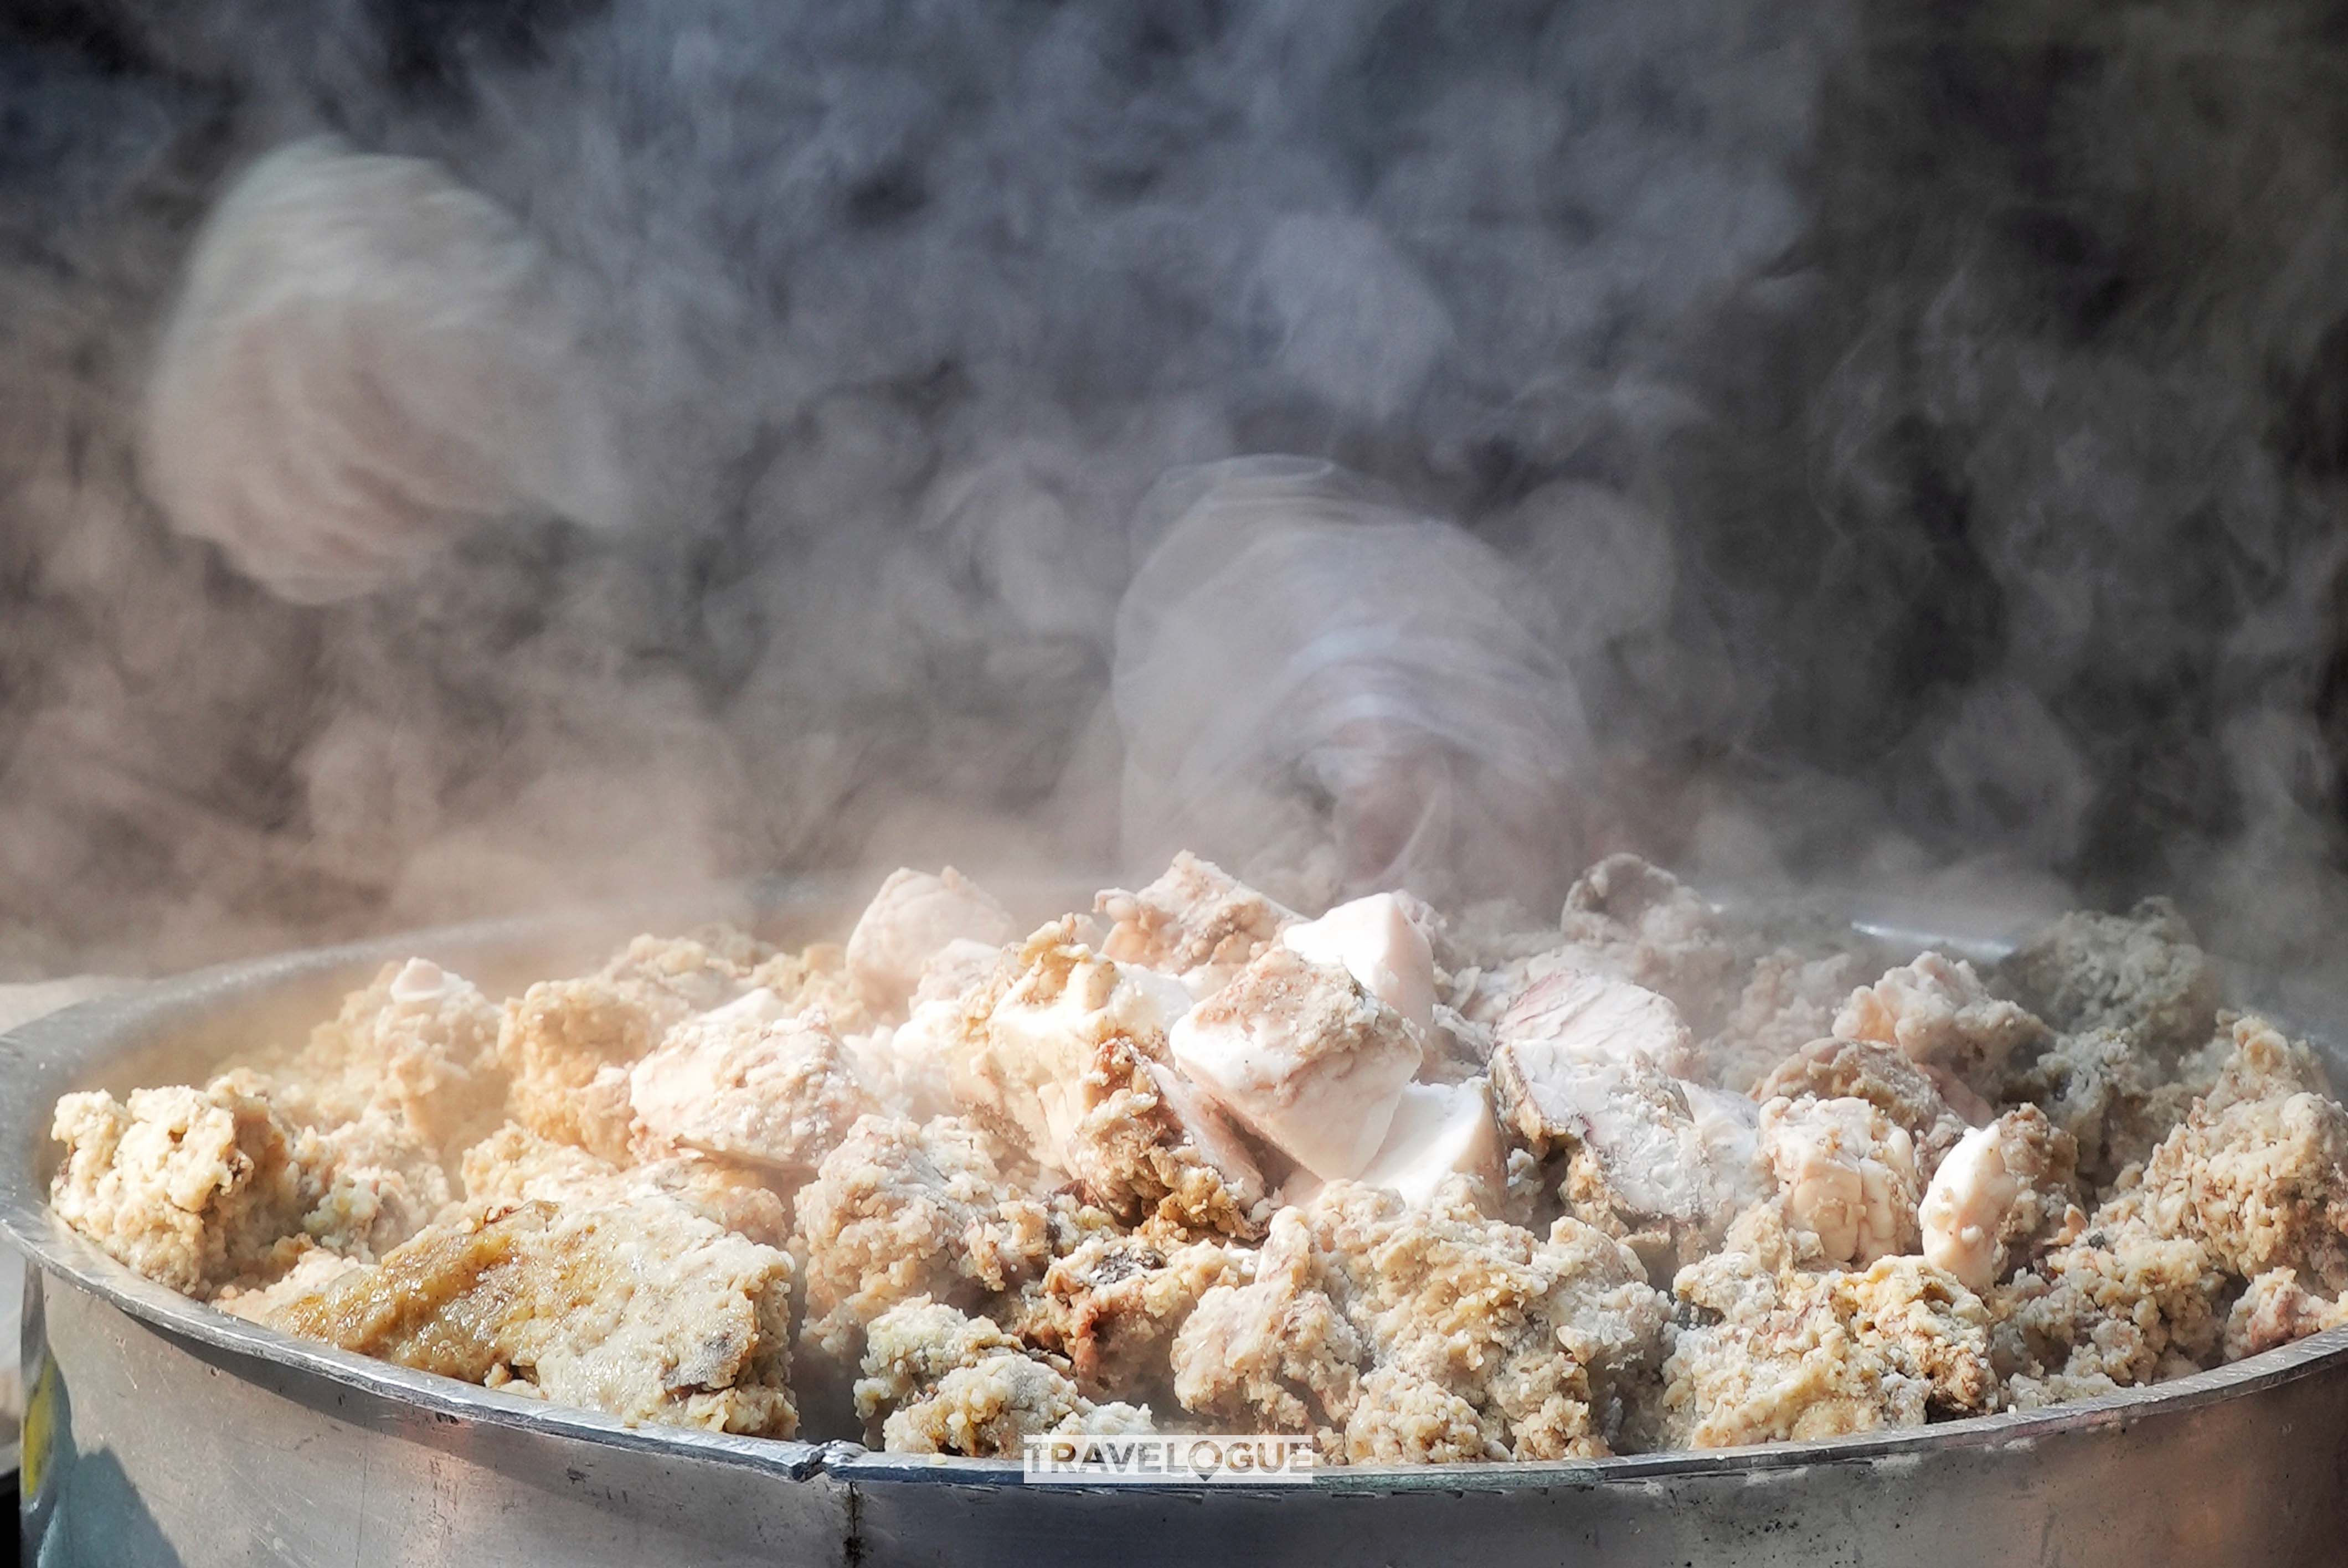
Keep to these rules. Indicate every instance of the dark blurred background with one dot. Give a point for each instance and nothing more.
(1926, 424)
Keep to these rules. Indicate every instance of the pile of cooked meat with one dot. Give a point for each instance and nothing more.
(1428, 1188)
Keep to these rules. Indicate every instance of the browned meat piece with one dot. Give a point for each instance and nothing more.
(641, 1309)
(2142, 971)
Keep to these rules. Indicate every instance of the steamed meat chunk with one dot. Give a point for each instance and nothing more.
(1845, 1174)
(1587, 1016)
(2002, 1185)
(2142, 971)
(1626, 918)
(1938, 1014)
(1275, 1353)
(2121, 1305)
(1300, 1053)
(2258, 1172)
(949, 1384)
(903, 1209)
(2103, 1089)
(381, 1183)
(418, 1045)
(1787, 1351)
(1196, 922)
(1375, 942)
(1439, 1133)
(642, 1309)
(2250, 1184)
(1577, 1067)
(1113, 1304)
(568, 1044)
(1429, 1335)
(514, 1166)
(910, 921)
(2276, 1309)
(744, 1082)
(1143, 1141)
(1906, 1094)
(1032, 1034)
(195, 1188)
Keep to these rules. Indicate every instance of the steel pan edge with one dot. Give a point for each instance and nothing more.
(2127, 1479)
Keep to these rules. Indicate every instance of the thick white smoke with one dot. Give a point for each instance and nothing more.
(1915, 427)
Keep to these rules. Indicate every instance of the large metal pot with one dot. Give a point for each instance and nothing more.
(164, 1433)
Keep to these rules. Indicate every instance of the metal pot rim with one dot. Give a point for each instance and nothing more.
(55, 1054)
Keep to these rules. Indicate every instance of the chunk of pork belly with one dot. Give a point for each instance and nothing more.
(1846, 1173)
(1300, 1053)
(912, 919)
(1374, 941)
(1033, 1032)
(1441, 1132)
(1938, 1013)
(745, 1083)
(643, 1309)
(1196, 922)
(903, 1209)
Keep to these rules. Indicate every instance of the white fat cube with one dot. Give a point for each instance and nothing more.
(1376, 942)
(1439, 1132)
(1304, 1055)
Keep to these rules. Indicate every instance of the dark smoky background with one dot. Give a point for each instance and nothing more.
(1918, 429)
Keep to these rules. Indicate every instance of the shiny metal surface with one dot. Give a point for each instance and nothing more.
(164, 1433)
